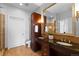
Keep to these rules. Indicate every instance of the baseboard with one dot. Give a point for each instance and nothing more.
(16, 47)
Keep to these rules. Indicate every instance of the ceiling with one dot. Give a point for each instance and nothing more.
(38, 4)
(29, 6)
(36, 7)
(26, 6)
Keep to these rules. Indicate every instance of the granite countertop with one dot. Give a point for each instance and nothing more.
(74, 46)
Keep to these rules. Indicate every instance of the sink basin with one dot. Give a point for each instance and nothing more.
(63, 43)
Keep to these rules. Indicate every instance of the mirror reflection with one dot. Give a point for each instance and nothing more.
(59, 18)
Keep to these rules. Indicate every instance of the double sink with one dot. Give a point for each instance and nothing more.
(58, 42)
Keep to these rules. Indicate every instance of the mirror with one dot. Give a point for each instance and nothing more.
(77, 23)
(59, 18)
(62, 18)
(76, 15)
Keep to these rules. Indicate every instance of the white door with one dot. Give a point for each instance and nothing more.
(16, 32)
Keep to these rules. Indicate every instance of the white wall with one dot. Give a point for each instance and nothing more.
(17, 14)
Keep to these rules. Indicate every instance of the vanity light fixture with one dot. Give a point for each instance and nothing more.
(21, 4)
(41, 20)
(50, 27)
(77, 15)
(76, 9)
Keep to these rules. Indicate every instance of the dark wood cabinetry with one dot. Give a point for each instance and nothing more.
(35, 18)
(58, 50)
(44, 47)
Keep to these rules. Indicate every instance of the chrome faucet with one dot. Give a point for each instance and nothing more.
(65, 40)
(69, 41)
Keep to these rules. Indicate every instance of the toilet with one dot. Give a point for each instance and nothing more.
(27, 42)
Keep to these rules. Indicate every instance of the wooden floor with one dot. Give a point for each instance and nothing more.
(0, 53)
(20, 51)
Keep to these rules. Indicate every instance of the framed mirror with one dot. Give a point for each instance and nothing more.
(59, 18)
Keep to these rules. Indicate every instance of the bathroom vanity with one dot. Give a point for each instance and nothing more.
(54, 49)
(62, 50)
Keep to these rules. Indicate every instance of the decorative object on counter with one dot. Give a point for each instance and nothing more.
(41, 38)
(50, 35)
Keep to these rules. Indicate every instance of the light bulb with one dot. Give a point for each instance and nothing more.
(20, 4)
